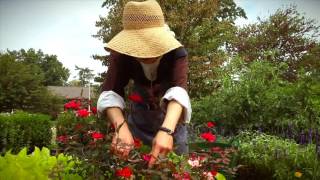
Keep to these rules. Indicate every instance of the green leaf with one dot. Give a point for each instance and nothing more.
(220, 176)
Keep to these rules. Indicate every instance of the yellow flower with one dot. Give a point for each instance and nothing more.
(298, 174)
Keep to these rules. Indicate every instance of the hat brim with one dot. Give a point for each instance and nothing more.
(144, 43)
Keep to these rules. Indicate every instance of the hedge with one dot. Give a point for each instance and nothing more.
(21, 129)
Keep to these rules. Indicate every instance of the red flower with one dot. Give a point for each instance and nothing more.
(214, 173)
(208, 136)
(146, 157)
(94, 110)
(135, 97)
(62, 139)
(96, 135)
(137, 143)
(72, 105)
(211, 124)
(78, 126)
(83, 113)
(125, 172)
(183, 176)
(216, 149)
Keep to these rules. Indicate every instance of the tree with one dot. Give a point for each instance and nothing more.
(54, 72)
(285, 36)
(85, 75)
(21, 87)
(203, 27)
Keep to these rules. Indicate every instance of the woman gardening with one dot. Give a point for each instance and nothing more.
(146, 52)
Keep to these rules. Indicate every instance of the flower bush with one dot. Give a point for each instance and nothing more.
(275, 158)
(90, 139)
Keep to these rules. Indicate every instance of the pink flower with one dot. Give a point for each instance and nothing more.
(135, 97)
(83, 113)
(211, 124)
(210, 175)
(208, 136)
(194, 162)
(96, 135)
(125, 172)
(146, 157)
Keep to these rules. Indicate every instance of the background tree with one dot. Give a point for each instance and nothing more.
(85, 75)
(21, 87)
(53, 71)
(286, 36)
(203, 27)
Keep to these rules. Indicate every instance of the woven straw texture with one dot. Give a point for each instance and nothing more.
(144, 34)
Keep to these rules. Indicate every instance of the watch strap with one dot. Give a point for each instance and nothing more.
(169, 131)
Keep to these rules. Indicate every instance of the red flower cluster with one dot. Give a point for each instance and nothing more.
(125, 172)
(78, 126)
(137, 143)
(182, 176)
(72, 105)
(62, 139)
(208, 136)
(211, 124)
(96, 135)
(83, 113)
(135, 97)
(94, 110)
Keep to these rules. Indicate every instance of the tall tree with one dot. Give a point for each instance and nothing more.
(21, 87)
(54, 72)
(85, 75)
(286, 36)
(203, 27)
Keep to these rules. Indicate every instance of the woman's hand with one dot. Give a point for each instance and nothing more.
(122, 142)
(162, 144)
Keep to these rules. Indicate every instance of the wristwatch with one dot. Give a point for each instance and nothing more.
(169, 131)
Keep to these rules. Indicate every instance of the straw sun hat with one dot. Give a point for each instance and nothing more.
(144, 33)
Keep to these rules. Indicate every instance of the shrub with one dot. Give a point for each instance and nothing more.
(21, 129)
(255, 96)
(38, 165)
(275, 158)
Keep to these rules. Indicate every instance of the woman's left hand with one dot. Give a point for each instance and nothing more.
(162, 144)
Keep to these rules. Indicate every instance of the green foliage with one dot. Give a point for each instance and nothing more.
(85, 75)
(256, 96)
(22, 83)
(290, 36)
(38, 165)
(275, 158)
(21, 129)
(54, 72)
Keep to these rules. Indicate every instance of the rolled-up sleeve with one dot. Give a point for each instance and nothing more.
(117, 78)
(178, 90)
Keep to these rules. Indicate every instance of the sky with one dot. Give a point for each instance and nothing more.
(65, 27)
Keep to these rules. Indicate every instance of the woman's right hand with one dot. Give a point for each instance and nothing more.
(122, 142)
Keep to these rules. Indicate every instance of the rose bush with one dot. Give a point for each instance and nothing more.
(83, 135)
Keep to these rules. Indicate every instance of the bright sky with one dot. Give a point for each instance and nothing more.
(65, 27)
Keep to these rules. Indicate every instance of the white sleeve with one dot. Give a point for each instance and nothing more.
(181, 96)
(109, 99)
